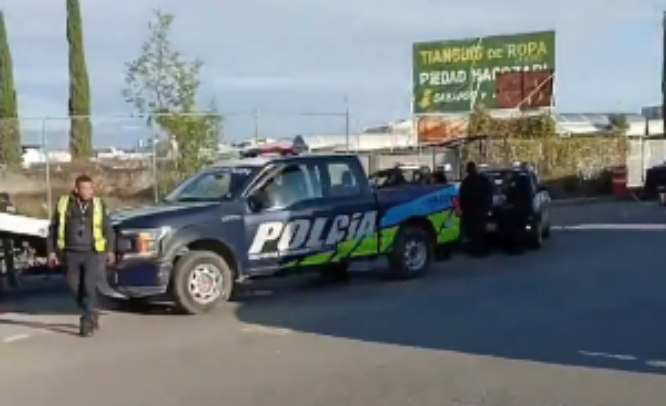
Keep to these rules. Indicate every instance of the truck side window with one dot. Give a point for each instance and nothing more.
(293, 184)
(343, 180)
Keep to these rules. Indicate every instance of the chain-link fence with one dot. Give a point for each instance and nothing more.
(136, 161)
(127, 156)
(277, 125)
(133, 159)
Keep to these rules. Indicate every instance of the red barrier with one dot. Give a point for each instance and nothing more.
(619, 181)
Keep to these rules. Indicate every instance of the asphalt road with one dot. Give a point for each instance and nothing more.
(578, 323)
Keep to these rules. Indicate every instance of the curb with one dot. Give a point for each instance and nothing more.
(584, 201)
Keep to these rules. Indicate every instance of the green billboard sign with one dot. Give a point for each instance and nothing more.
(454, 76)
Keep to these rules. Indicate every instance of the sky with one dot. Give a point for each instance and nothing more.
(289, 59)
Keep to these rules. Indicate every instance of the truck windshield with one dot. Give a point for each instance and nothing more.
(222, 183)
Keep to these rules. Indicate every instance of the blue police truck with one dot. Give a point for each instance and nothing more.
(268, 216)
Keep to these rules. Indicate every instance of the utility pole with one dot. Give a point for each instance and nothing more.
(347, 125)
(256, 125)
(663, 74)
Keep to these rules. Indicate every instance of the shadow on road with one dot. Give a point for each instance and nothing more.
(40, 305)
(590, 298)
(39, 311)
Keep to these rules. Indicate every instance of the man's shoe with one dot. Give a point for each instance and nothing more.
(95, 320)
(86, 327)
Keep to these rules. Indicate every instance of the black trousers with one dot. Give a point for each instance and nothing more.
(84, 272)
(512, 229)
(474, 228)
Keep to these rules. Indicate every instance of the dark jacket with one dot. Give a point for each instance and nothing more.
(519, 194)
(79, 228)
(476, 194)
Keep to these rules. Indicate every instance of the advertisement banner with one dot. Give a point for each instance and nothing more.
(454, 76)
(437, 130)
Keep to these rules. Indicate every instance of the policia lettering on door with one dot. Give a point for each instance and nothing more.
(276, 239)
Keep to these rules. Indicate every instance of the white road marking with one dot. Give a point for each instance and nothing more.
(15, 338)
(271, 331)
(621, 357)
(583, 227)
(657, 363)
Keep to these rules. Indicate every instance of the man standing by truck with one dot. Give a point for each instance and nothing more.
(476, 201)
(519, 201)
(81, 236)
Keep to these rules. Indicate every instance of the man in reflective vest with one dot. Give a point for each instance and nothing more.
(81, 237)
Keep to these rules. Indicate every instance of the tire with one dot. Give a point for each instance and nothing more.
(535, 237)
(412, 253)
(215, 275)
(335, 273)
(546, 232)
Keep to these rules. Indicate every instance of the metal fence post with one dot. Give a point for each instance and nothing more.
(47, 168)
(153, 141)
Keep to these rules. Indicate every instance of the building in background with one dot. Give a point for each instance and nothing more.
(652, 112)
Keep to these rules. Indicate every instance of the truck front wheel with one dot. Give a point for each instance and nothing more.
(201, 281)
(412, 253)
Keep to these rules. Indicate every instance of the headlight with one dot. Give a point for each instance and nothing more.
(145, 241)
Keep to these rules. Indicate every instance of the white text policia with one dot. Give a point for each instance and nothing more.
(447, 54)
(300, 236)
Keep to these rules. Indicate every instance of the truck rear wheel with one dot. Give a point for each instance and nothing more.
(202, 280)
(412, 253)
(535, 235)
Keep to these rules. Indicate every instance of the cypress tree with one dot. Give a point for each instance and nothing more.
(80, 133)
(10, 133)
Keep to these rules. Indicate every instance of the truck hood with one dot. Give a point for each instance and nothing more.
(172, 214)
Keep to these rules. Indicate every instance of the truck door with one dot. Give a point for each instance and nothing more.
(350, 205)
(276, 232)
(317, 213)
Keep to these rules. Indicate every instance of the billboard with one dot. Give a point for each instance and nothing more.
(440, 129)
(454, 76)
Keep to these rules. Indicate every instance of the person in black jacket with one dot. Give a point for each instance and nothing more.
(80, 235)
(519, 202)
(476, 201)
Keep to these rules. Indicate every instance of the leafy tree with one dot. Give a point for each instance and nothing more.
(10, 133)
(164, 87)
(80, 133)
(480, 122)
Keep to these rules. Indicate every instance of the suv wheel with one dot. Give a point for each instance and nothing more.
(535, 238)
(412, 253)
(546, 231)
(201, 281)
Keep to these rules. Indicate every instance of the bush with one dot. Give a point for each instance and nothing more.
(570, 165)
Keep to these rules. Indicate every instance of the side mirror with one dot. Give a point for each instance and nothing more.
(542, 188)
(256, 201)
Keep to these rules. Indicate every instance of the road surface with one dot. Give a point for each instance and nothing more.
(578, 323)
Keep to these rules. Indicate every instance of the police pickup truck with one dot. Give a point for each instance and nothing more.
(259, 217)
(539, 222)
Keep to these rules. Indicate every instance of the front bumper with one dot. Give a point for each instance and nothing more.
(139, 277)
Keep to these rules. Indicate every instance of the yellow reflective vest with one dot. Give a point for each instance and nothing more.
(97, 222)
